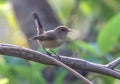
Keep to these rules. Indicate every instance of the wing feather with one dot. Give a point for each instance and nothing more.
(45, 36)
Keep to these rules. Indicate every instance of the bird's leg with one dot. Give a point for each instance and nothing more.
(46, 51)
(50, 53)
(55, 53)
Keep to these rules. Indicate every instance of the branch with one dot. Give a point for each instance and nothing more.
(18, 51)
(113, 64)
(75, 63)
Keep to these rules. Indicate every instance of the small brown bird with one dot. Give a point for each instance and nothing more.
(52, 38)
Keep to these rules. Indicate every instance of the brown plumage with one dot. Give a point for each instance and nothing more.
(52, 38)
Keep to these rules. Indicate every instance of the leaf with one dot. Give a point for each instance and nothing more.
(109, 36)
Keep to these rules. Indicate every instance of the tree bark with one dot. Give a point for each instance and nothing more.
(75, 63)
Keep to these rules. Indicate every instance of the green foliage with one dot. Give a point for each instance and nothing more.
(3, 1)
(84, 46)
(60, 76)
(85, 7)
(86, 51)
(23, 74)
(108, 80)
(62, 8)
(109, 36)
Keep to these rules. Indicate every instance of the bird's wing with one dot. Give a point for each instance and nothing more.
(48, 36)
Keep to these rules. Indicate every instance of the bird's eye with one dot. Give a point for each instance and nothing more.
(62, 29)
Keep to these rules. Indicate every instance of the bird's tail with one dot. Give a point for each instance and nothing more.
(34, 38)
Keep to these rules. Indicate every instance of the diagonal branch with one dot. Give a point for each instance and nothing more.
(113, 64)
(20, 51)
(75, 63)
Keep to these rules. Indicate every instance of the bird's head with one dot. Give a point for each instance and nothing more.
(62, 31)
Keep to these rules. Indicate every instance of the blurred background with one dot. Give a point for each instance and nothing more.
(95, 37)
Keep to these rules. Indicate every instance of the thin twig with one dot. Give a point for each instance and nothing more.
(85, 80)
(113, 64)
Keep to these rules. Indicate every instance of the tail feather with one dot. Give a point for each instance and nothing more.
(34, 38)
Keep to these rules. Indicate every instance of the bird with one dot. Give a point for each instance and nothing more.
(52, 38)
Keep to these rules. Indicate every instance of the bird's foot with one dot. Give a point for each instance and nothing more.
(55, 54)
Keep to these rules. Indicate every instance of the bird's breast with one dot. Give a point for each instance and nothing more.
(51, 44)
